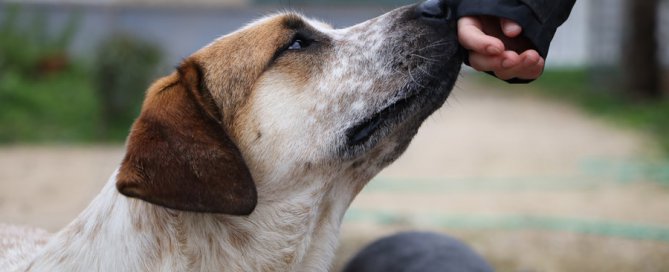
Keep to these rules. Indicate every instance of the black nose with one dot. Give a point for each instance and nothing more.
(434, 10)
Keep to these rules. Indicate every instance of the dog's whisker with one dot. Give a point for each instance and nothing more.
(440, 55)
(434, 44)
(414, 79)
(427, 73)
(433, 60)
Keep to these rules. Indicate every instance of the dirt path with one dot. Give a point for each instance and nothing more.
(534, 185)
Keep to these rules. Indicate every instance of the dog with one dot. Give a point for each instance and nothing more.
(248, 155)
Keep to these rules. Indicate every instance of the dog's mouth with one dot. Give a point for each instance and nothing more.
(363, 131)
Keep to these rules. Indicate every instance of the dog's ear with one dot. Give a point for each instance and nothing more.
(179, 154)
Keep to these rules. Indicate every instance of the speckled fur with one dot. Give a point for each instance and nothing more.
(19, 245)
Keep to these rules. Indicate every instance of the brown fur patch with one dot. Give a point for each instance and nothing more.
(233, 64)
(178, 154)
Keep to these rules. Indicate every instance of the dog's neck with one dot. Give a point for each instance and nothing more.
(284, 233)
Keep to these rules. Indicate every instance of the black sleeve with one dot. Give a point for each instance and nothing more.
(539, 18)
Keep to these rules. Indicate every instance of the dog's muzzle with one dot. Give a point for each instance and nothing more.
(429, 40)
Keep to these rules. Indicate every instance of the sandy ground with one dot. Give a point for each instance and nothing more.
(533, 185)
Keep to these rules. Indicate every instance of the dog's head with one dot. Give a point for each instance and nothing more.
(286, 97)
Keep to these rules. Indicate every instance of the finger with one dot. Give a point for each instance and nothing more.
(484, 63)
(510, 28)
(510, 59)
(533, 63)
(530, 67)
(531, 56)
(473, 38)
(510, 73)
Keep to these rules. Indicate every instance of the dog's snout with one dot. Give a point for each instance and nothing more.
(434, 10)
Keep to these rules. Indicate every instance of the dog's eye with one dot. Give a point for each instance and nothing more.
(299, 42)
(296, 45)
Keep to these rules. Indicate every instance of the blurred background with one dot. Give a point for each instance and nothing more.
(569, 173)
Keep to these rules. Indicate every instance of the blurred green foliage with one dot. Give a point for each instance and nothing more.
(124, 68)
(47, 96)
(43, 94)
(574, 86)
(59, 107)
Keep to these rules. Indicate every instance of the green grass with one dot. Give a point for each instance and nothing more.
(574, 87)
(52, 108)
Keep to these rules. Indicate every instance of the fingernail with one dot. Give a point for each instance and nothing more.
(512, 28)
(494, 50)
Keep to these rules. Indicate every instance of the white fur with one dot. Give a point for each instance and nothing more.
(105, 237)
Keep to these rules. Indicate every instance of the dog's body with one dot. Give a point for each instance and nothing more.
(247, 157)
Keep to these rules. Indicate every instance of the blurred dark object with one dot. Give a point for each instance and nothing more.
(641, 64)
(417, 252)
(53, 63)
(125, 65)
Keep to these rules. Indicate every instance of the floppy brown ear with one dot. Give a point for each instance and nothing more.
(179, 155)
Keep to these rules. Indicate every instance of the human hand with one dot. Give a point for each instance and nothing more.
(495, 45)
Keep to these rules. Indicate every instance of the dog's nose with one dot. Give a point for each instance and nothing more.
(436, 10)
